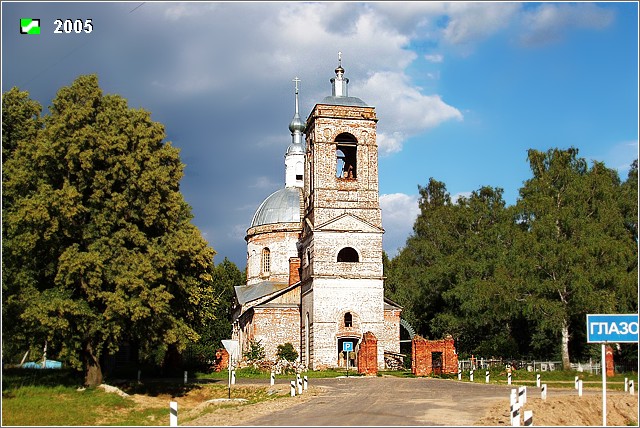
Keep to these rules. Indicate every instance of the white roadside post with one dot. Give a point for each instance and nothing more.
(185, 377)
(471, 375)
(459, 373)
(631, 386)
(538, 380)
(509, 378)
(522, 395)
(626, 384)
(273, 378)
(576, 382)
(305, 382)
(515, 409)
(543, 392)
(173, 413)
(513, 401)
(528, 418)
(610, 328)
(299, 382)
(487, 376)
(232, 347)
(293, 388)
(233, 376)
(580, 388)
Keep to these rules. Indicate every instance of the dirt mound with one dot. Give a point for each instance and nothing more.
(571, 410)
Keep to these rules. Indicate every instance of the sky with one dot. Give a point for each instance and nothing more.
(462, 90)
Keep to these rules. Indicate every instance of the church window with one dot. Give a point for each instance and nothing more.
(348, 320)
(346, 150)
(266, 261)
(348, 255)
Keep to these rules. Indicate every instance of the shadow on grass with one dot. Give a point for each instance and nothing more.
(13, 378)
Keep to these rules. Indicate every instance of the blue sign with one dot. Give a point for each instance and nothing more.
(347, 346)
(620, 328)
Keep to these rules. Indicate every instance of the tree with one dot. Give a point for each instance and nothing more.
(225, 277)
(98, 245)
(419, 275)
(20, 120)
(577, 251)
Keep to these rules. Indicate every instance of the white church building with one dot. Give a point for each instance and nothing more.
(314, 248)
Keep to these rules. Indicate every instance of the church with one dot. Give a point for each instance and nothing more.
(314, 248)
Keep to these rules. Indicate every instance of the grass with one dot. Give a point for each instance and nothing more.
(55, 397)
(251, 373)
(59, 405)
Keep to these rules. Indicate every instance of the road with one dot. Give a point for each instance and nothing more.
(390, 401)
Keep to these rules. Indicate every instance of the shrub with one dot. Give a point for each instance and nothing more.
(287, 352)
(255, 351)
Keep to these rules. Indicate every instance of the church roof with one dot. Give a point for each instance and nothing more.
(248, 293)
(343, 101)
(282, 206)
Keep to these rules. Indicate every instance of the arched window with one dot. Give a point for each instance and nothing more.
(266, 261)
(346, 159)
(348, 320)
(349, 255)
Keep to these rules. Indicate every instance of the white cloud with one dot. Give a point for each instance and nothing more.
(399, 213)
(550, 21)
(406, 110)
(435, 58)
(473, 22)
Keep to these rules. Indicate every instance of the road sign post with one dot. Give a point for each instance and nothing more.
(232, 349)
(347, 347)
(610, 328)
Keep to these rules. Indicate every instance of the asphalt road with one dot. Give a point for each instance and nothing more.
(390, 401)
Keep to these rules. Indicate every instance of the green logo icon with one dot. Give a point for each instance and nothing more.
(29, 26)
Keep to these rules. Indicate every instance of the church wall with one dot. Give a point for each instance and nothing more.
(390, 340)
(306, 307)
(277, 326)
(282, 246)
(331, 299)
(369, 248)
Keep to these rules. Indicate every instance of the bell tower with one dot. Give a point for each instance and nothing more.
(341, 241)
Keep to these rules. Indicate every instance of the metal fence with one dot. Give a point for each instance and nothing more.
(532, 366)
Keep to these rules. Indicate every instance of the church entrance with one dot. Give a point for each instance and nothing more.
(351, 352)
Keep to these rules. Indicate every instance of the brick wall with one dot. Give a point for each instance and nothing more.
(422, 351)
(368, 355)
(275, 326)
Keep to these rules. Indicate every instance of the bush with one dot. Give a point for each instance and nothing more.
(287, 352)
(255, 351)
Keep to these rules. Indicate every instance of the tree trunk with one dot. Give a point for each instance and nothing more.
(566, 363)
(92, 369)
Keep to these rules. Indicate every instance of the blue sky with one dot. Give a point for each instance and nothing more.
(462, 90)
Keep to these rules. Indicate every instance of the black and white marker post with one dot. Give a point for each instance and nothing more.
(610, 328)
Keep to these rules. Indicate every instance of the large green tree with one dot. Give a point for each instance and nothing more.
(579, 253)
(98, 244)
(454, 274)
